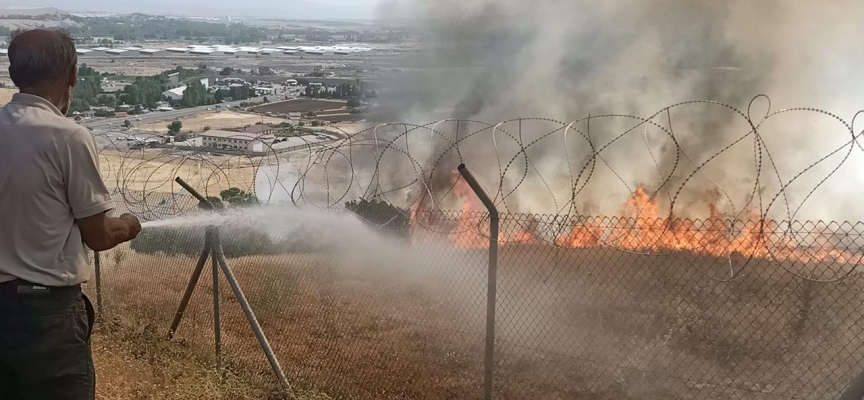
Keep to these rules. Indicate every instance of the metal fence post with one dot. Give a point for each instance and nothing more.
(492, 284)
(199, 267)
(190, 287)
(217, 327)
(250, 316)
(97, 264)
(855, 389)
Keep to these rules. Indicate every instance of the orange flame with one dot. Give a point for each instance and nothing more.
(467, 235)
(640, 228)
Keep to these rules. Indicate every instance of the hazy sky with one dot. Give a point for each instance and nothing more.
(287, 9)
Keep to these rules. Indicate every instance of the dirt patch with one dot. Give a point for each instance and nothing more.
(217, 120)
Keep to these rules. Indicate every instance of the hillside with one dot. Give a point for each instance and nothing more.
(25, 17)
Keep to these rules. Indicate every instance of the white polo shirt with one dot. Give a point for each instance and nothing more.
(49, 177)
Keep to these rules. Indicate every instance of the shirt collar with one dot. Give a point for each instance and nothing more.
(35, 101)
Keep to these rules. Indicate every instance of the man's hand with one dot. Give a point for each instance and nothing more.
(101, 232)
(134, 225)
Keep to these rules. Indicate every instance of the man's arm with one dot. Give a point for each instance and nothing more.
(89, 199)
(101, 232)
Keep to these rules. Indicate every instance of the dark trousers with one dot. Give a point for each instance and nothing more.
(45, 343)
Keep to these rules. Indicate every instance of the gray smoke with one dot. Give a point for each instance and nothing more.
(564, 59)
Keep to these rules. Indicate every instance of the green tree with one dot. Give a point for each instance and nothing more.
(106, 100)
(195, 95)
(226, 71)
(238, 198)
(84, 70)
(216, 202)
(127, 124)
(79, 105)
(174, 127)
(88, 88)
(381, 215)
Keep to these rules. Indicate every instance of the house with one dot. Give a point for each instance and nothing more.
(207, 82)
(261, 90)
(174, 94)
(257, 129)
(242, 141)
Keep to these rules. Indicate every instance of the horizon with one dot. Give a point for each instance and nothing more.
(344, 10)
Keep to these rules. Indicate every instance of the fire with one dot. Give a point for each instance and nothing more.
(581, 236)
(639, 227)
(467, 232)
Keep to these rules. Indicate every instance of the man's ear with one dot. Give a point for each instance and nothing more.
(73, 76)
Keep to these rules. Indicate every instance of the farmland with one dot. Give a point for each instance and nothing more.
(216, 120)
(302, 105)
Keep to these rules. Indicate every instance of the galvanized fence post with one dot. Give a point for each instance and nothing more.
(492, 283)
(219, 256)
(190, 287)
(213, 248)
(217, 326)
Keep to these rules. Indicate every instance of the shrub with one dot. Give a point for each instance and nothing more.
(382, 216)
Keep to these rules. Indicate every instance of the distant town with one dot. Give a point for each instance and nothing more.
(220, 83)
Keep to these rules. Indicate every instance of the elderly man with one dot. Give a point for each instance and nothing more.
(52, 202)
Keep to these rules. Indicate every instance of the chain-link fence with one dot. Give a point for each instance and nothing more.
(587, 308)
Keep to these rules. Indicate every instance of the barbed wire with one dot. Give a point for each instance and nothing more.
(519, 162)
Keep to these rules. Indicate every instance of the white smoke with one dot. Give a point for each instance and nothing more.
(497, 60)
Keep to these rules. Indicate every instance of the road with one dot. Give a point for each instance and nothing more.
(157, 116)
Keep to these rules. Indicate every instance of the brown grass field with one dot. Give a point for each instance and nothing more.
(215, 120)
(596, 323)
(301, 105)
(153, 170)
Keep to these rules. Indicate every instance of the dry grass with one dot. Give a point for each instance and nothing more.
(572, 323)
(154, 170)
(137, 363)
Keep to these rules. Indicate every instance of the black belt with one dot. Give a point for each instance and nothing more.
(21, 286)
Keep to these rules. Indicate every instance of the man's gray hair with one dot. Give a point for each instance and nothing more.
(38, 56)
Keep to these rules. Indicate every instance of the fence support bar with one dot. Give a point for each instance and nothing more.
(97, 264)
(250, 316)
(492, 284)
(193, 281)
(217, 326)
